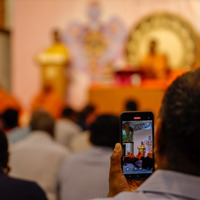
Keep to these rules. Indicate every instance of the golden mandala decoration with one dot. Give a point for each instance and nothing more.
(175, 37)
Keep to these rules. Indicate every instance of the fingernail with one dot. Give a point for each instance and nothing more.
(117, 147)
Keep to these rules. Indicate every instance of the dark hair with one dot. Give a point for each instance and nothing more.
(68, 112)
(180, 131)
(43, 121)
(10, 118)
(87, 111)
(131, 105)
(105, 131)
(3, 150)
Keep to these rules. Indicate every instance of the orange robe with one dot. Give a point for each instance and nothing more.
(51, 102)
(155, 66)
(8, 101)
(130, 156)
(139, 156)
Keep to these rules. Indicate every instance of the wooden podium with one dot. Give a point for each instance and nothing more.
(53, 68)
(141, 150)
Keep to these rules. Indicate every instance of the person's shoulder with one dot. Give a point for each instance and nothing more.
(59, 148)
(126, 196)
(18, 188)
(75, 158)
(34, 189)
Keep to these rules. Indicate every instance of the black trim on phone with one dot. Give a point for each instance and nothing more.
(137, 116)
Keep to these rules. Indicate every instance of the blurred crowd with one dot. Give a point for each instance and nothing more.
(68, 156)
(59, 151)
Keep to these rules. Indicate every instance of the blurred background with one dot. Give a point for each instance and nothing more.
(67, 71)
(95, 52)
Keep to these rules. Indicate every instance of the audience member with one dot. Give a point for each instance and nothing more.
(11, 126)
(147, 163)
(39, 157)
(131, 105)
(81, 141)
(177, 150)
(67, 127)
(86, 117)
(85, 175)
(12, 188)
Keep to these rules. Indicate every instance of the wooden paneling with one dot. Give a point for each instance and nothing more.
(111, 99)
(2, 14)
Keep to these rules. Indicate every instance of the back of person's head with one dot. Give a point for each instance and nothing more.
(105, 131)
(131, 105)
(87, 111)
(42, 121)
(3, 151)
(86, 116)
(69, 113)
(10, 119)
(180, 130)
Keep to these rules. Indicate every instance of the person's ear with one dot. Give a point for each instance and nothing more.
(157, 135)
(160, 159)
(6, 170)
(156, 142)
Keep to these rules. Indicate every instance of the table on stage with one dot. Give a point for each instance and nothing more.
(111, 98)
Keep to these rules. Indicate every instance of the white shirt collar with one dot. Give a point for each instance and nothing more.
(172, 182)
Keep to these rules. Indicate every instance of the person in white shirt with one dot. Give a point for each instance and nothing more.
(66, 127)
(81, 141)
(176, 150)
(38, 158)
(84, 175)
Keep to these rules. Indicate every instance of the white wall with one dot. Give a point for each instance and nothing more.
(33, 20)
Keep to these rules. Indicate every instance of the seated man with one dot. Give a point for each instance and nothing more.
(66, 127)
(85, 175)
(139, 156)
(12, 188)
(38, 157)
(130, 155)
(154, 65)
(11, 126)
(177, 150)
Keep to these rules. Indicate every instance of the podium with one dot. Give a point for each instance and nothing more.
(53, 68)
(141, 150)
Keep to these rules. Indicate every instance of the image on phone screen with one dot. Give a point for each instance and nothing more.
(137, 145)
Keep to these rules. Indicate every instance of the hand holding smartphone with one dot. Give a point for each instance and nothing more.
(137, 140)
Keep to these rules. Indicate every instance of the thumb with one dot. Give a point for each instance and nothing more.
(116, 168)
(117, 180)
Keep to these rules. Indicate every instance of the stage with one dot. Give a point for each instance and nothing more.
(111, 98)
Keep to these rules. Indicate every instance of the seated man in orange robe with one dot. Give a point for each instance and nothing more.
(154, 65)
(139, 156)
(49, 100)
(130, 155)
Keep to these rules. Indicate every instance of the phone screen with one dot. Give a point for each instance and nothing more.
(137, 139)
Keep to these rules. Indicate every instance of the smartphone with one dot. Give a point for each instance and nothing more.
(137, 140)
